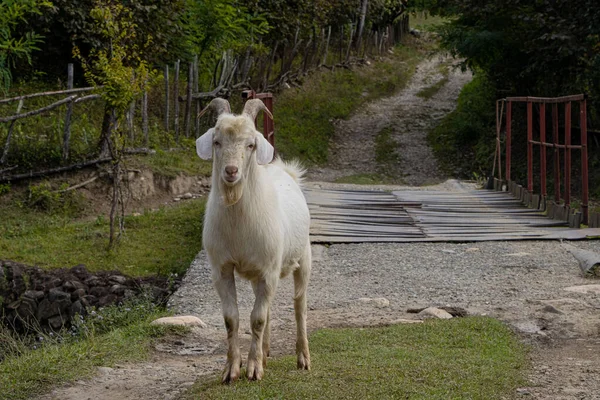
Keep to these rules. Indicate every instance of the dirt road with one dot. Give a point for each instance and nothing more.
(522, 283)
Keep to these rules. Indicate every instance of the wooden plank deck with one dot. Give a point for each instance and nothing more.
(343, 216)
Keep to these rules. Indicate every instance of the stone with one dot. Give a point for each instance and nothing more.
(77, 294)
(120, 279)
(119, 290)
(99, 291)
(551, 309)
(105, 370)
(57, 295)
(406, 321)
(57, 322)
(47, 309)
(89, 300)
(77, 308)
(187, 196)
(27, 308)
(129, 293)
(379, 302)
(93, 281)
(434, 312)
(182, 320)
(107, 300)
(80, 272)
(52, 283)
(584, 289)
(34, 294)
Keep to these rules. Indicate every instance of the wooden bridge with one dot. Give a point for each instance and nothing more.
(345, 216)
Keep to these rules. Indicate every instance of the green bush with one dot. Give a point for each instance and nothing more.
(464, 141)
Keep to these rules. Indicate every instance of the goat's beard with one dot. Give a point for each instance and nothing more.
(231, 194)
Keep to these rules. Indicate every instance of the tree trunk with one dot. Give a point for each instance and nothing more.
(361, 23)
(107, 126)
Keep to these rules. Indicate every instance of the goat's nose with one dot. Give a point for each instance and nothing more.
(231, 170)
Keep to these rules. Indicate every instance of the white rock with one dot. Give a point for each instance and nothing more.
(585, 289)
(182, 320)
(136, 214)
(187, 195)
(105, 370)
(407, 321)
(379, 302)
(434, 312)
(472, 249)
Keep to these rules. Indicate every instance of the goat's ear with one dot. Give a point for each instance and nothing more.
(264, 150)
(204, 145)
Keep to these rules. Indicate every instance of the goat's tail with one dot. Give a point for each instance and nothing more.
(293, 168)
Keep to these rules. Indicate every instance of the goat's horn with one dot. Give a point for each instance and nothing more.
(217, 104)
(252, 107)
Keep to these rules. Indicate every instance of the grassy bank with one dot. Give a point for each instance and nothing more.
(304, 118)
(156, 242)
(470, 358)
(30, 366)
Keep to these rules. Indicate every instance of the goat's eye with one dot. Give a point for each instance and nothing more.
(251, 146)
(217, 144)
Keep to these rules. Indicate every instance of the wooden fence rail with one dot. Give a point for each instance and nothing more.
(285, 65)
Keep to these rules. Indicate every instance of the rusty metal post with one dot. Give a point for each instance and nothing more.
(543, 190)
(530, 147)
(508, 138)
(269, 131)
(567, 196)
(556, 153)
(584, 160)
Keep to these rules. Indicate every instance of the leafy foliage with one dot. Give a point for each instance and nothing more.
(15, 46)
(522, 47)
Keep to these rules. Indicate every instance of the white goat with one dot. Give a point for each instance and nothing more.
(257, 225)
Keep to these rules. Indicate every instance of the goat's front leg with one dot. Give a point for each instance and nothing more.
(225, 284)
(264, 289)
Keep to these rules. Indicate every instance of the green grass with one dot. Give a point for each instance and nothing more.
(113, 335)
(430, 91)
(426, 22)
(388, 162)
(467, 358)
(157, 242)
(304, 118)
(174, 163)
(386, 149)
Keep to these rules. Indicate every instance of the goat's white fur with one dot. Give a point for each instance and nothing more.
(257, 227)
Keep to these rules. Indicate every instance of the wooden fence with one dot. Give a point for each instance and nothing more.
(286, 65)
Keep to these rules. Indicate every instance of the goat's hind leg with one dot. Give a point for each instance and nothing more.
(224, 280)
(301, 277)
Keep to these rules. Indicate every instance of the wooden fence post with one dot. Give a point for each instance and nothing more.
(176, 100)
(145, 115)
(326, 46)
(9, 135)
(166, 77)
(67, 127)
(197, 103)
(188, 99)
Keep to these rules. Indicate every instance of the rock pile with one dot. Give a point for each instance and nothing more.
(31, 296)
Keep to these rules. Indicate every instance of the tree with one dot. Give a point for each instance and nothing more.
(16, 46)
(120, 71)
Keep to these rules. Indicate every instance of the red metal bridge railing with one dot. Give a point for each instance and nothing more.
(268, 126)
(554, 143)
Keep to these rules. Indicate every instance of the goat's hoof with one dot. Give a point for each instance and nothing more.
(254, 370)
(231, 372)
(303, 361)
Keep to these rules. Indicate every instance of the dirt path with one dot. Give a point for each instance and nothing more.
(407, 117)
(522, 283)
